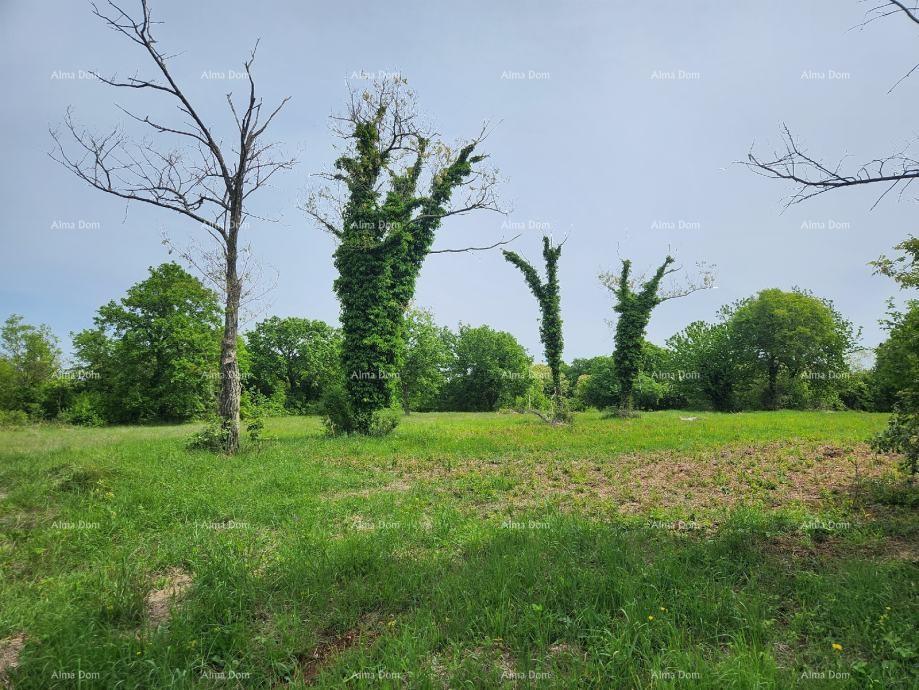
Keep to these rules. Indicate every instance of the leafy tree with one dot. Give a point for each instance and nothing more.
(791, 333)
(550, 326)
(428, 351)
(29, 364)
(490, 369)
(599, 386)
(897, 365)
(385, 231)
(635, 300)
(294, 356)
(708, 364)
(154, 354)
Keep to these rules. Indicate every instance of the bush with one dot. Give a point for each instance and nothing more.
(336, 411)
(85, 410)
(253, 402)
(902, 433)
(213, 437)
(13, 418)
(384, 421)
(339, 419)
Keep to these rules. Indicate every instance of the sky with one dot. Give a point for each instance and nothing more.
(615, 124)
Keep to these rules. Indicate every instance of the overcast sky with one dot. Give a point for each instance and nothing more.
(621, 134)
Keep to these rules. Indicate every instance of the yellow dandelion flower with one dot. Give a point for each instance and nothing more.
(837, 646)
(650, 618)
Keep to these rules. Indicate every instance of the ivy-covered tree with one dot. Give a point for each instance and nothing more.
(636, 298)
(550, 325)
(397, 183)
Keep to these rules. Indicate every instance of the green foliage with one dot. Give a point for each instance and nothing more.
(29, 365)
(791, 334)
(708, 365)
(427, 356)
(904, 269)
(490, 369)
(294, 357)
(902, 433)
(387, 229)
(255, 424)
(897, 367)
(599, 386)
(212, 437)
(547, 294)
(86, 409)
(13, 418)
(153, 355)
(897, 358)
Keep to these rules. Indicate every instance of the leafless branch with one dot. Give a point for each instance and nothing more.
(473, 249)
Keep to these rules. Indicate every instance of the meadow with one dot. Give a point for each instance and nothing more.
(676, 549)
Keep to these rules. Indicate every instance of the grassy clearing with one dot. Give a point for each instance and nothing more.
(463, 551)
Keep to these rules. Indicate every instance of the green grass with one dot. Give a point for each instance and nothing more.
(465, 550)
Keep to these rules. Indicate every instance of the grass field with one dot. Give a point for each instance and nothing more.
(463, 551)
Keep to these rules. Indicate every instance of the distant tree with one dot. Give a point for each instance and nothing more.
(791, 333)
(598, 386)
(209, 178)
(708, 364)
(298, 356)
(154, 354)
(636, 298)
(550, 324)
(396, 186)
(428, 351)
(30, 359)
(490, 369)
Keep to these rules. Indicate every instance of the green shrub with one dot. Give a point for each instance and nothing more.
(13, 418)
(902, 432)
(86, 409)
(213, 437)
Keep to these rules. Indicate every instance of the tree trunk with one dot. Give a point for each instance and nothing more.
(772, 391)
(230, 385)
(405, 405)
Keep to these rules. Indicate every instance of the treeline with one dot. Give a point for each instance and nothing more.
(152, 356)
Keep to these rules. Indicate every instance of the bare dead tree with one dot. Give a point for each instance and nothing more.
(201, 178)
(812, 177)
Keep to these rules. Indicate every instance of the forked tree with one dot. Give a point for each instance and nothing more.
(550, 325)
(636, 298)
(392, 189)
(198, 175)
